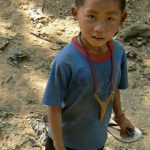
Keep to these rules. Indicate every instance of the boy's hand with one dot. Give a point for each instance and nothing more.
(124, 123)
(61, 149)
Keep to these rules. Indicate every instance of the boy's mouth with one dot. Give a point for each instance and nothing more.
(97, 38)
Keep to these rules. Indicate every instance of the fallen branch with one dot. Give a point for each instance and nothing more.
(9, 78)
(41, 37)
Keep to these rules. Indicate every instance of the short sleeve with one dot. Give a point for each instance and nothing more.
(123, 84)
(56, 88)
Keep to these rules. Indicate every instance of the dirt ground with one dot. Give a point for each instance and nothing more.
(32, 32)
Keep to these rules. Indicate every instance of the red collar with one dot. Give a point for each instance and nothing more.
(92, 56)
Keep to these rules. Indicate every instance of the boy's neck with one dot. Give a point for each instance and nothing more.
(99, 51)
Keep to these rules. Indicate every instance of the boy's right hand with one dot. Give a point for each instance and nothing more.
(61, 148)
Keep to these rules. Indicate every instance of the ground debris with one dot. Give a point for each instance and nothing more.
(39, 126)
(131, 54)
(35, 14)
(17, 57)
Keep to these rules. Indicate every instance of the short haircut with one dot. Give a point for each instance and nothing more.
(81, 3)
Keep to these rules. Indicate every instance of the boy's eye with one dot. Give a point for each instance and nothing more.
(91, 17)
(110, 19)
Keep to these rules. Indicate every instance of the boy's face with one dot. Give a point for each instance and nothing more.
(99, 20)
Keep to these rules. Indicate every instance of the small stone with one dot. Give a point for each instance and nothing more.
(143, 131)
(140, 43)
(24, 7)
(146, 34)
(133, 42)
(139, 38)
(133, 85)
(139, 60)
(148, 77)
(132, 67)
(45, 118)
(42, 138)
(131, 54)
(39, 25)
(3, 42)
(134, 108)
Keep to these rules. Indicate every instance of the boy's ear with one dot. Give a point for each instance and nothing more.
(74, 12)
(123, 18)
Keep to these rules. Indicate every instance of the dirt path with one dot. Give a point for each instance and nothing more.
(31, 34)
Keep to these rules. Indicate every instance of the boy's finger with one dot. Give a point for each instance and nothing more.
(131, 125)
(122, 131)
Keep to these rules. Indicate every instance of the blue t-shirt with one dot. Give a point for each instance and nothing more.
(71, 86)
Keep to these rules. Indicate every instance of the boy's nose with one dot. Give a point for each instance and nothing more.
(99, 27)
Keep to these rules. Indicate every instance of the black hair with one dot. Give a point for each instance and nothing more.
(80, 3)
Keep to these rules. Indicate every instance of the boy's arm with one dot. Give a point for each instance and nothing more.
(120, 118)
(55, 121)
(117, 103)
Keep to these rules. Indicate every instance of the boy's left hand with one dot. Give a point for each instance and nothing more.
(124, 125)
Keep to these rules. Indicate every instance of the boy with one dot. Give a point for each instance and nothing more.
(85, 79)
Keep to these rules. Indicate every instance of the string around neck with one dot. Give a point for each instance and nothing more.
(110, 49)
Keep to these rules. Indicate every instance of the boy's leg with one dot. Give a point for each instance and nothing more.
(50, 145)
(101, 148)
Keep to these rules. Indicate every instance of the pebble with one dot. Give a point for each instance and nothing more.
(134, 108)
(143, 131)
(133, 42)
(139, 38)
(39, 25)
(3, 43)
(132, 68)
(146, 34)
(142, 42)
(131, 54)
(42, 138)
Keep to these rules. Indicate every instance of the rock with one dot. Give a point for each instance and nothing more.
(45, 118)
(131, 54)
(143, 131)
(42, 138)
(134, 108)
(39, 126)
(3, 43)
(55, 47)
(39, 25)
(139, 60)
(140, 43)
(139, 38)
(61, 43)
(44, 20)
(133, 85)
(24, 7)
(148, 77)
(133, 42)
(134, 30)
(35, 14)
(18, 56)
(132, 67)
(146, 34)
